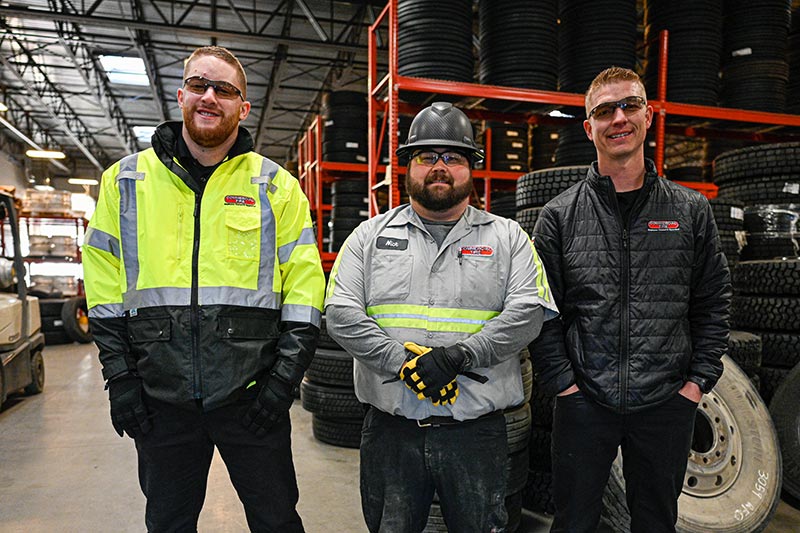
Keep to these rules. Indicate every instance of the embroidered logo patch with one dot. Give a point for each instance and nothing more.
(233, 199)
(663, 225)
(389, 243)
(478, 250)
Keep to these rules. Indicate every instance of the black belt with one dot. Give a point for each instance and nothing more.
(436, 421)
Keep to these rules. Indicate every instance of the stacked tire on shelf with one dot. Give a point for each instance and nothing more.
(539, 187)
(519, 46)
(755, 71)
(65, 320)
(344, 137)
(327, 393)
(509, 147)
(695, 47)
(349, 209)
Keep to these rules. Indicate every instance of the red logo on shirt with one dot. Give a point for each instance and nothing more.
(479, 250)
(233, 199)
(663, 225)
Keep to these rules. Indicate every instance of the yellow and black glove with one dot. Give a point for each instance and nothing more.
(447, 394)
(432, 369)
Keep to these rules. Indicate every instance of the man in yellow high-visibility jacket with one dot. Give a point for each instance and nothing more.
(205, 290)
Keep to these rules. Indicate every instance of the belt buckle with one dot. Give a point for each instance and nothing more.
(423, 424)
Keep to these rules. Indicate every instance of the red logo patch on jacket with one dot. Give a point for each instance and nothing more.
(233, 199)
(479, 250)
(663, 225)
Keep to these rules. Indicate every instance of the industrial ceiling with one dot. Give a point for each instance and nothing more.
(59, 95)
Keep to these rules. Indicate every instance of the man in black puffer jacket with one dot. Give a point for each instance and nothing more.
(638, 274)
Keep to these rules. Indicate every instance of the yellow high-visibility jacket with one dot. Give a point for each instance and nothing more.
(201, 290)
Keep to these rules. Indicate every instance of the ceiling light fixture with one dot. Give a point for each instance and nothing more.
(82, 181)
(45, 154)
(3, 107)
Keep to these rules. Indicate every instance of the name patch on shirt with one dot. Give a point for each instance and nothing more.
(663, 225)
(389, 243)
(476, 251)
(233, 199)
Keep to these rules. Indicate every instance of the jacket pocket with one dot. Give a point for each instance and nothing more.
(243, 226)
(246, 328)
(390, 279)
(149, 330)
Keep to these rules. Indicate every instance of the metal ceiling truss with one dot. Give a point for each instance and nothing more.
(41, 90)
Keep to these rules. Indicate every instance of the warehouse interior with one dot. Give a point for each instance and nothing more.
(333, 87)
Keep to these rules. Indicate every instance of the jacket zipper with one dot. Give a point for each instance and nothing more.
(194, 307)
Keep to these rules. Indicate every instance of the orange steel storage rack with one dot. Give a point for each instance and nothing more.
(392, 83)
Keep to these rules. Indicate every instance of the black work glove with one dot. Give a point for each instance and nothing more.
(128, 412)
(436, 368)
(272, 402)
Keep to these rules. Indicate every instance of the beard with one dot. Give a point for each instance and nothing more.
(210, 137)
(440, 199)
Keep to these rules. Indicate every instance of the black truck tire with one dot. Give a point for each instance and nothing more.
(786, 416)
(733, 479)
(36, 385)
(75, 316)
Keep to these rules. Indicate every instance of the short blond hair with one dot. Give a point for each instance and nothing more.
(612, 75)
(225, 55)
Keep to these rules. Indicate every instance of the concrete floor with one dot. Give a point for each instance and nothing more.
(63, 469)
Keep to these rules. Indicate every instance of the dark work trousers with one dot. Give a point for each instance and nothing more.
(175, 456)
(655, 447)
(402, 464)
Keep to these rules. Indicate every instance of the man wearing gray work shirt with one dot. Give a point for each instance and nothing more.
(435, 300)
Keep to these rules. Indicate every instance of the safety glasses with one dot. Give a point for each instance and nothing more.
(223, 89)
(451, 159)
(629, 105)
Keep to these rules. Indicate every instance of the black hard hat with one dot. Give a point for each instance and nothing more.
(441, 125)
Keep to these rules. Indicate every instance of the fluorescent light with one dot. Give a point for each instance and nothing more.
(144, 133)
(44, 187)
(3, 107)
(45, 154)
(125, 70)
(83, 181)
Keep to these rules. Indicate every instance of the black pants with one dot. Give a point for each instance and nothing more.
(402, 464)
(175, 456)
(655, 447)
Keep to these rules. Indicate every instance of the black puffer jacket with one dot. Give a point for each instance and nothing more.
(644, 303)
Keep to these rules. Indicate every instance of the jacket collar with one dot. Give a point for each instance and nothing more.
(471, 217)
(599, 181)
(165, 145)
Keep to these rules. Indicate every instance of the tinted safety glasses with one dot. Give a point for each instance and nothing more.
(629, 105)
(223, 89)
(451, 159)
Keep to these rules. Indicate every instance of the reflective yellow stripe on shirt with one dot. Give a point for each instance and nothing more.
(430, 318)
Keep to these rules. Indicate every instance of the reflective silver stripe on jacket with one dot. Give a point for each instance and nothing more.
(266, 267)
(106, 311)
(128, 223)
(301, 313)
(160, 296)
(102, 241)
(285, 251)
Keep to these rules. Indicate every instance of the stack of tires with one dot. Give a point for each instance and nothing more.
(695, 47)
(761, 174)
(327, 393)
(767, 303)
(793, 87)
(771, 231)
(65, 320)
(786, 417)
(540, 186)
(519, 46)
(344, 133)
(574, 147)
(349, 209)
(729, 216)
(594, 35)
(427, 48)
(544, 141)
(504, 203)
(755, 71)
(518, 424)
(510, 147)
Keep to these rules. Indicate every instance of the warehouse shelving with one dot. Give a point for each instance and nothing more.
(384, 98)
